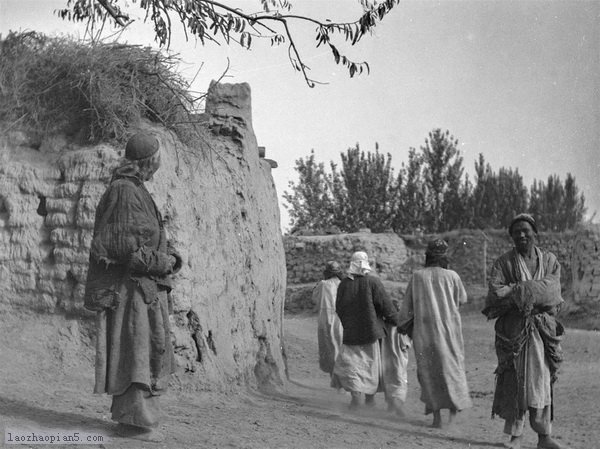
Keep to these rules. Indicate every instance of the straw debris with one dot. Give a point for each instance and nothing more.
(92, 91)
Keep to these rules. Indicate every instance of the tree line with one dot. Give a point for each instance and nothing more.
(430, 193)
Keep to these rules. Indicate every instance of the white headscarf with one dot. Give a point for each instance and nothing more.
(359, 264)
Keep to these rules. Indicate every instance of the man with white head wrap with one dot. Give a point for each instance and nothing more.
(373, 356)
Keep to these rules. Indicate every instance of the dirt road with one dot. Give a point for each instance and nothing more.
(309, 414)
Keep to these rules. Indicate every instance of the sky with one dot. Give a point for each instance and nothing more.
(517, 81)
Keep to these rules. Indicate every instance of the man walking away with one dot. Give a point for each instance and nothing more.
(430, 312)
(329, 327)
(365, 361)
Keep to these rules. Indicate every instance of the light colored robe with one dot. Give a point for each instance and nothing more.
(432, 300)
(329, 327)
(527, 336)
(538, 390)
(379, 366)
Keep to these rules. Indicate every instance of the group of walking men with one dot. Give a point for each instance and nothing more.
(364, 337)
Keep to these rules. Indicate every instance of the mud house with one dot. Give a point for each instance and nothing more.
(219, 202)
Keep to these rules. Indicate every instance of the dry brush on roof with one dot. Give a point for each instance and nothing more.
(93, 91)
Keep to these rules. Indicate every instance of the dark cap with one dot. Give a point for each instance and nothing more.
(332, 268)
(523, 217)
(141, 146)
(437, 247)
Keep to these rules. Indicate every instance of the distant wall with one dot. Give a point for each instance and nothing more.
(585, 263)
(471, 254)
(306, 256)
(469, 248)
(397, 257)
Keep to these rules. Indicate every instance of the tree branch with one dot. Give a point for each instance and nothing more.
(214, 20)
(114, 13)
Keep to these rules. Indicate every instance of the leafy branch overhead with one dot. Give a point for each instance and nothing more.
(218, 22)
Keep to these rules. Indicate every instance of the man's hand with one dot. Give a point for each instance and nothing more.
(505, 290)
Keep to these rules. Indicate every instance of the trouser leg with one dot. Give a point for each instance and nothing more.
(355, 399)
(514, 427)
(370, 400)
(539, 419)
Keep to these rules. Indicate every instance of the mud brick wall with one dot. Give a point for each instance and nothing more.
(219, 202)
(306, 256)
(47, 206)
(471, 253)
(585, 263)
(469, 248)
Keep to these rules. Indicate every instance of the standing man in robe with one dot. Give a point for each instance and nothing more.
(373, 357)
(329, 327)
(127, 285)
(430, 313)
(524, 297)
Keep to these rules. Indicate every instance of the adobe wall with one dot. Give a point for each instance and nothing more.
(220, 205)
(396, 257)
(306, 255)
(469, 248)
(585, 262)
(471, 253)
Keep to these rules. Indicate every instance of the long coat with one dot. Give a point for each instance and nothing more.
(127, 286)
(526, 325)
(329, 327)
(432, 301)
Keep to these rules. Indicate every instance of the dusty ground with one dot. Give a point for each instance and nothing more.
(35, 396)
